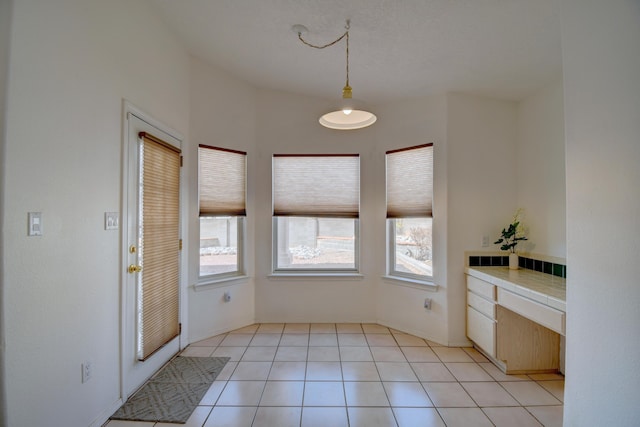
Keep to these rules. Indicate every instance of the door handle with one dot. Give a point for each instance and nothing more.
(134, 269)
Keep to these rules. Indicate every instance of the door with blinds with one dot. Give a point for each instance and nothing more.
(151, 294)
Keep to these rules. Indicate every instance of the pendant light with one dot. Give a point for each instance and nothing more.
(348, 116)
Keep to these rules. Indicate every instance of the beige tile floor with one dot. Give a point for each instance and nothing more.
(334, 375)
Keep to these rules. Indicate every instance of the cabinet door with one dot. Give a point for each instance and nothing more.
(482, 331)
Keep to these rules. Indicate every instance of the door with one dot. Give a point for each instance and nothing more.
(151, 250)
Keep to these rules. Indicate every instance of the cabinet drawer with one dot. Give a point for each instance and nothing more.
(482, 331)
(532, 310)
(484, 306)
(481, 287)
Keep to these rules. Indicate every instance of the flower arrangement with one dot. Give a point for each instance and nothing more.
(512, 234)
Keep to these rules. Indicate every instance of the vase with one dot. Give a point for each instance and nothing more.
(513, 261)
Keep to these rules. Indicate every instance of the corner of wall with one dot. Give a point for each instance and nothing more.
(218, 102)
(541, 147)
(481, 186)
(6, 7)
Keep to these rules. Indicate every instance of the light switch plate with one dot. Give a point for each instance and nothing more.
(35, 224)
(111, 220)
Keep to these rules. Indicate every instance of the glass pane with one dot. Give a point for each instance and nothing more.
(218, 245)
(413, 246)
(316, 243)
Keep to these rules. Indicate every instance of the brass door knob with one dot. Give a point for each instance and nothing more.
(135, 269)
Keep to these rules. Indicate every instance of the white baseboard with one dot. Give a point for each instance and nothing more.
(411, 331)
(242, 323)
(223, 329)
(101, 419)
(466, 343)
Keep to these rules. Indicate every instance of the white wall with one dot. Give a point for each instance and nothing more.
(289, 124)
(72, 63)
(222, 114)
(367, 299)
(404, 124)
(475, 143)
(602, 103)
(481, 188)
(5, 33)
(541, 171)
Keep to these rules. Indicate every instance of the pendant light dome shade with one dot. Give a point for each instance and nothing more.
(339, 120)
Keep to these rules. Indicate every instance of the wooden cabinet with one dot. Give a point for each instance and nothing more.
(518, 334)
(481, 314)
(523, 346)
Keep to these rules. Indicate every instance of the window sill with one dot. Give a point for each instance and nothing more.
(212, 283)
(411, 283)
(315, 276)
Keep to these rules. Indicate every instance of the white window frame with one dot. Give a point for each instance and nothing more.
(240, 271)
(316, 271)
(324, 204)
(391, 257)
(391, 271)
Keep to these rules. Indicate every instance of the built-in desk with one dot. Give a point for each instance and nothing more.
(516, 317)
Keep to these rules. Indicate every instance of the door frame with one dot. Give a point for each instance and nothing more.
(127, 387)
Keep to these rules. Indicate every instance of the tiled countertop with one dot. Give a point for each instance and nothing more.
(544, 288)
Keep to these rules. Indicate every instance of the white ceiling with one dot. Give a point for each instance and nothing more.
(398, 48)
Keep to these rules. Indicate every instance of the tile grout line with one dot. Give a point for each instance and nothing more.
(375, 362)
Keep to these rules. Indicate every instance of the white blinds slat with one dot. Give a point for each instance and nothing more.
(222, 181)
(410, 182)
(320, 186)
(159, 248)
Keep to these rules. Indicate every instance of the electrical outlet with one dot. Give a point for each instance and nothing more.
(227, 296)
(427, 303)
(87, 371)
(485, 240)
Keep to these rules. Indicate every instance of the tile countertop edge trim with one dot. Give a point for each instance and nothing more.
(518, 289)
(532, 255)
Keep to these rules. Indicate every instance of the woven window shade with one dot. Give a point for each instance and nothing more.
(159, 246)
(318, 186)
(410, 182)
(222, 181)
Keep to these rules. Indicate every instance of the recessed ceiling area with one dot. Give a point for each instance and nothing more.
(398, 48)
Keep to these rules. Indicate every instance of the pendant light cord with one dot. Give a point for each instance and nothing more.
(341, 119)
(345, 35)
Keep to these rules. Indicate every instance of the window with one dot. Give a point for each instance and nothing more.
(316, 204)
(222, 194)
(219, 245)
(409, 212)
